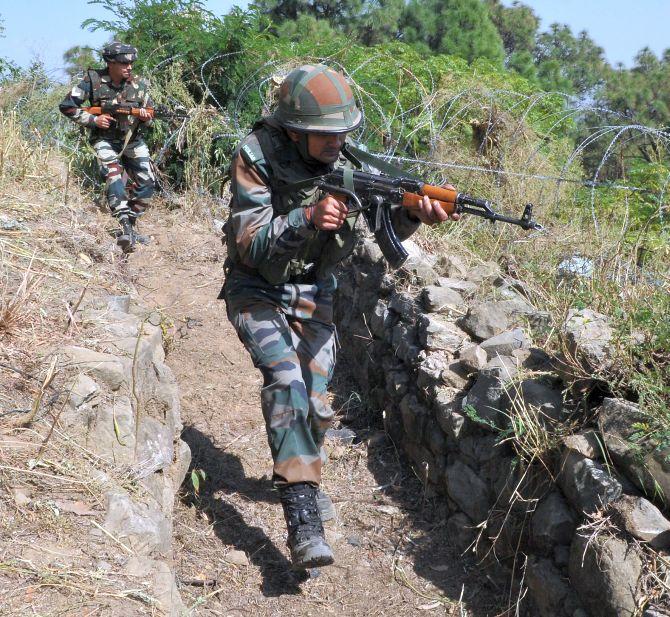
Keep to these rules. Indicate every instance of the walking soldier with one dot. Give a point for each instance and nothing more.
(117, 138)
(283, 247)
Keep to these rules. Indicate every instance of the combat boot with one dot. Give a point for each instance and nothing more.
(306, 539)
(325, 505)
(126, 237)
(137, 237)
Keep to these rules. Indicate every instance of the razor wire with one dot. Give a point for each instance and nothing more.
(434, 114)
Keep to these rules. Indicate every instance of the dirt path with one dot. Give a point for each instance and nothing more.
(390, 542)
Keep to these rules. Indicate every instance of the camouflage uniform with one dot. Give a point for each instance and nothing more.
(279, 294)
(120, 147)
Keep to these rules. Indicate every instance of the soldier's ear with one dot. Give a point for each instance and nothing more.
(293, 135)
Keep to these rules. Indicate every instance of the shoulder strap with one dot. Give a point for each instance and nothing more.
(94, 78)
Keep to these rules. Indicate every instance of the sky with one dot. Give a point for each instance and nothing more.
(620, 27)
(44, 29)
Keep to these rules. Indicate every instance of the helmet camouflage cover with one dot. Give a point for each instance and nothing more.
(316, 99)
(119, 52)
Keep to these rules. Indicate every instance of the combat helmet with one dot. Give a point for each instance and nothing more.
(316, 99)
(119, 52)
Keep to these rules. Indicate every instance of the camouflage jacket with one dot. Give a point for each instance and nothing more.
(269, 232)
(95, 89)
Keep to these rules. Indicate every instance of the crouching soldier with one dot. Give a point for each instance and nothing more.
(283, 249)
(117, 138)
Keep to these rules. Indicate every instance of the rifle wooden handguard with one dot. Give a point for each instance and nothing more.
(129, 111)
(446, 197)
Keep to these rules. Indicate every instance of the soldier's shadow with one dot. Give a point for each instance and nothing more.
(224, 473)
(434, 558)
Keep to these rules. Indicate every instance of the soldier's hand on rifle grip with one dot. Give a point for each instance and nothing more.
(103, 121)
(144, 114)
(328, 214)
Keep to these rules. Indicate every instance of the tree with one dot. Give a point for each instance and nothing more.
(643, 95)
(78, 58)
(517, 25)
(457, 27)
(567, 63)
(381, 22)
(338, 14)
(8, 69)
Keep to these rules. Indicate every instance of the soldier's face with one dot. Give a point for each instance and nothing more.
(120, 70)
(325, 147)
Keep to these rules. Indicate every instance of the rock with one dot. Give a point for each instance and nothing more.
(442, 300)
(486, 395)
(380, 319)
(562, 555)
(505, 343)
(469, 492)
(480, 449)
(549, 591)
(455, 375)
(419, 264)
(437, 333)
(142, 528)
(587, 444)
(106, 368)
(397, 383)
(236, 558)
(485, 320)
(446, 407)
(429, 370)
(434, 438)
(588, 336)
(155, 447)
(552, 523)
(486, 271)
(473, 357)
(518, 310)
(461, 532)
(162, 585)
(119, 304)
(452, 266)
(649, 471)
(604, 570)
(643, 520)
(404, 343)
(586, 484)
(84, 390)
(504, 367)
(404, 305)
(368, 250)
(341, 435)
(575, 266)
(413, 417)
(538, 397)
(463, 287)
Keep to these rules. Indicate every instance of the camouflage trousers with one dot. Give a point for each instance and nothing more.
(288, 330)
(113, 160)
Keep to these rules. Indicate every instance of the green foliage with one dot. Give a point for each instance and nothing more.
(569, 63)
(517, 25)
(79, 58)
(455, 27)
(197, 476)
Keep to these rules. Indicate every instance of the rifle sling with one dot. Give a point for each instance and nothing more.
(380, 164)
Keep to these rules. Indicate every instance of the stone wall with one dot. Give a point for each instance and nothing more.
(124, 408)
(448, 358)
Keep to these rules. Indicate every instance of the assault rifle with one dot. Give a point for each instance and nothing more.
(133, 109)
(372, 193)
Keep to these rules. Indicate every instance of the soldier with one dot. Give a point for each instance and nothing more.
(117, 140)
(283, 248)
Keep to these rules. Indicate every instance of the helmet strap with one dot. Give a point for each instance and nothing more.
(303, 149)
